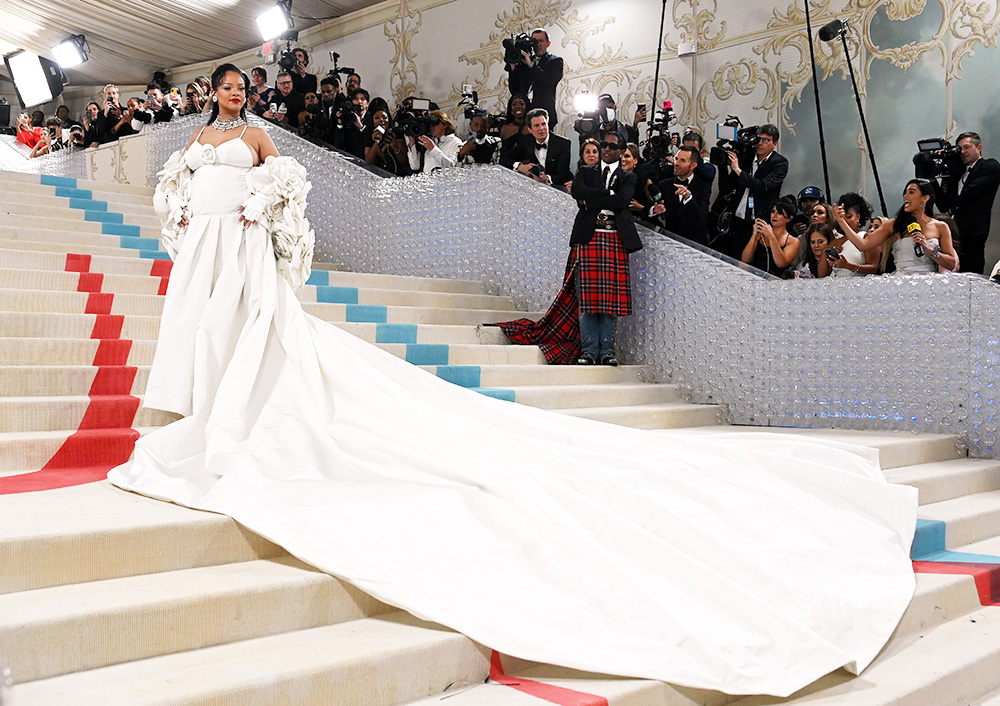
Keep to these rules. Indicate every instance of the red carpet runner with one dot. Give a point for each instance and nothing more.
(547, 692)
(105, 436)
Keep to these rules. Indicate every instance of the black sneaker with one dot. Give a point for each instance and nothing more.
(585, 360)
(609, 360)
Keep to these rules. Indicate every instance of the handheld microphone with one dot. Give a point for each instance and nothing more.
(918, 249)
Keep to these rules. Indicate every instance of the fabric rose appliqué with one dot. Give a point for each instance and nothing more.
(209, 155)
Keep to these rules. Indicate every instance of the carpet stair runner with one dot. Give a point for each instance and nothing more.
(111, 598)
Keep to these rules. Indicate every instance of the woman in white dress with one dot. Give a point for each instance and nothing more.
(741, 563)
(919, 242)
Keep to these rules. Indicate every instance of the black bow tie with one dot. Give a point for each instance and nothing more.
(541, 146)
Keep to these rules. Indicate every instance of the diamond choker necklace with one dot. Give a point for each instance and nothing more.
(228, 123)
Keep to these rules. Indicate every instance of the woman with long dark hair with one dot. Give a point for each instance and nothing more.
(918, 241)
(515, 123)
(594, 546)
(771, 247)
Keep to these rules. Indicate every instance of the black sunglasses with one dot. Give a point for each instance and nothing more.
(611, 145)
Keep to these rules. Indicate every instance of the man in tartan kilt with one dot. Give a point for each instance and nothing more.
(603, 236)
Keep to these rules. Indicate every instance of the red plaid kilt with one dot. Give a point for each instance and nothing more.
(557, 333)
(602, 279)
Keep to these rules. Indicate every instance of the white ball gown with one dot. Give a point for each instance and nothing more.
(745, 565)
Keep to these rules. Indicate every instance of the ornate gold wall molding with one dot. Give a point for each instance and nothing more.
(400, 29)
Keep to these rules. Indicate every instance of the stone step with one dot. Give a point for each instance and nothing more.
(16, 325)
(969, 518)
(524, 375)
(323, 274)
(896, 448)
(672, 415)
(563, 397)
(142, 299)
(423, 333)
(952, 663)
(380, 661)
(57, 352)
(78, 201)
(75, 236)
(102, 186)
(65, 412)
(412, 314)
(944, 480)
(53, 380)
(60, 210)
(26, 282)
(9, 242)
(123, 263)
(95, 531)
(400, 297)
(63, 629)
(16, 190)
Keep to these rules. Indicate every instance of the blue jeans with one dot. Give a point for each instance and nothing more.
(597, 335)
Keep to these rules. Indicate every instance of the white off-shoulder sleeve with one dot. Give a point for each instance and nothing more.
(277, 201)
(170, 200)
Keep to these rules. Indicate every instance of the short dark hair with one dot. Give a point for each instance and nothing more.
(786, 207)
(280, 74)
(355, 74)
(150, 87)
(66, 107)
(693, 151)
(534, 113)
(539, 30)
(305, 54)
(53, 121)
(360, 92)
(858, 203)
(330, 81)
(974, 136)
(260, 71)
(769, 130)
(692, 135)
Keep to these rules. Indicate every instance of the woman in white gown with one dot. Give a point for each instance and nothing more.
(746, 565)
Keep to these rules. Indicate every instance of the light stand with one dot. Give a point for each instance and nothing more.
(659, 51)
(819, 112)
(827, 33)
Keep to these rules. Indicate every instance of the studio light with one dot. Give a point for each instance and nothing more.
(275, 21)
(71, 52)
(585, 102)
(36, 80)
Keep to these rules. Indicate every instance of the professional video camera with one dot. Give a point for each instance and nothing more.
(417, 121)
(470, 99)
(346, 70)
(658, 131)
(937, 158)
(733, 137)
(517, 43)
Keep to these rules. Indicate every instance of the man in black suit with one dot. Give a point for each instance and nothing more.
(969, 198)
(750, 187)
(538, 76)
(603, 236)
(540, 154)
(683, 208)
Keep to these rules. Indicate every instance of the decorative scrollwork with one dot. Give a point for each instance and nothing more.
(400, 29)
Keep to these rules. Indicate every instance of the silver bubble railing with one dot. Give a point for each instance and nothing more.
(914, 353)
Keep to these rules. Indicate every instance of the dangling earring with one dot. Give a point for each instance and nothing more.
(215, 99)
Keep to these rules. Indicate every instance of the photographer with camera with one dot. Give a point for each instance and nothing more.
(533, 71)
(480, 148)
(285, 104)
(113, 121)
(683, 204)
(542, 155)
(969, 198)
(302, 81)
(350, 133)
(436, 150)
(384, 148)
(156, 109)
(604, 120)
(750, 184)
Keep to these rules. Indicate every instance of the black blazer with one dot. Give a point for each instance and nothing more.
(541, 79)
(974, 206)
(686, 219)
(765, 185)
(589, 191)
(556, 157)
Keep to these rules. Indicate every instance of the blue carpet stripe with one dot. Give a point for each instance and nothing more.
(139, 243)
(103, 217)
(48, 180)
(337, 295)
(495, 392)
(88, 205)
(396, 333)
(69, 192)
(462, 375)
(949, 557)
(154, 255)
(320, 278)
(367, 313)
(120, 229)
(928, 539)
(427, 354)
